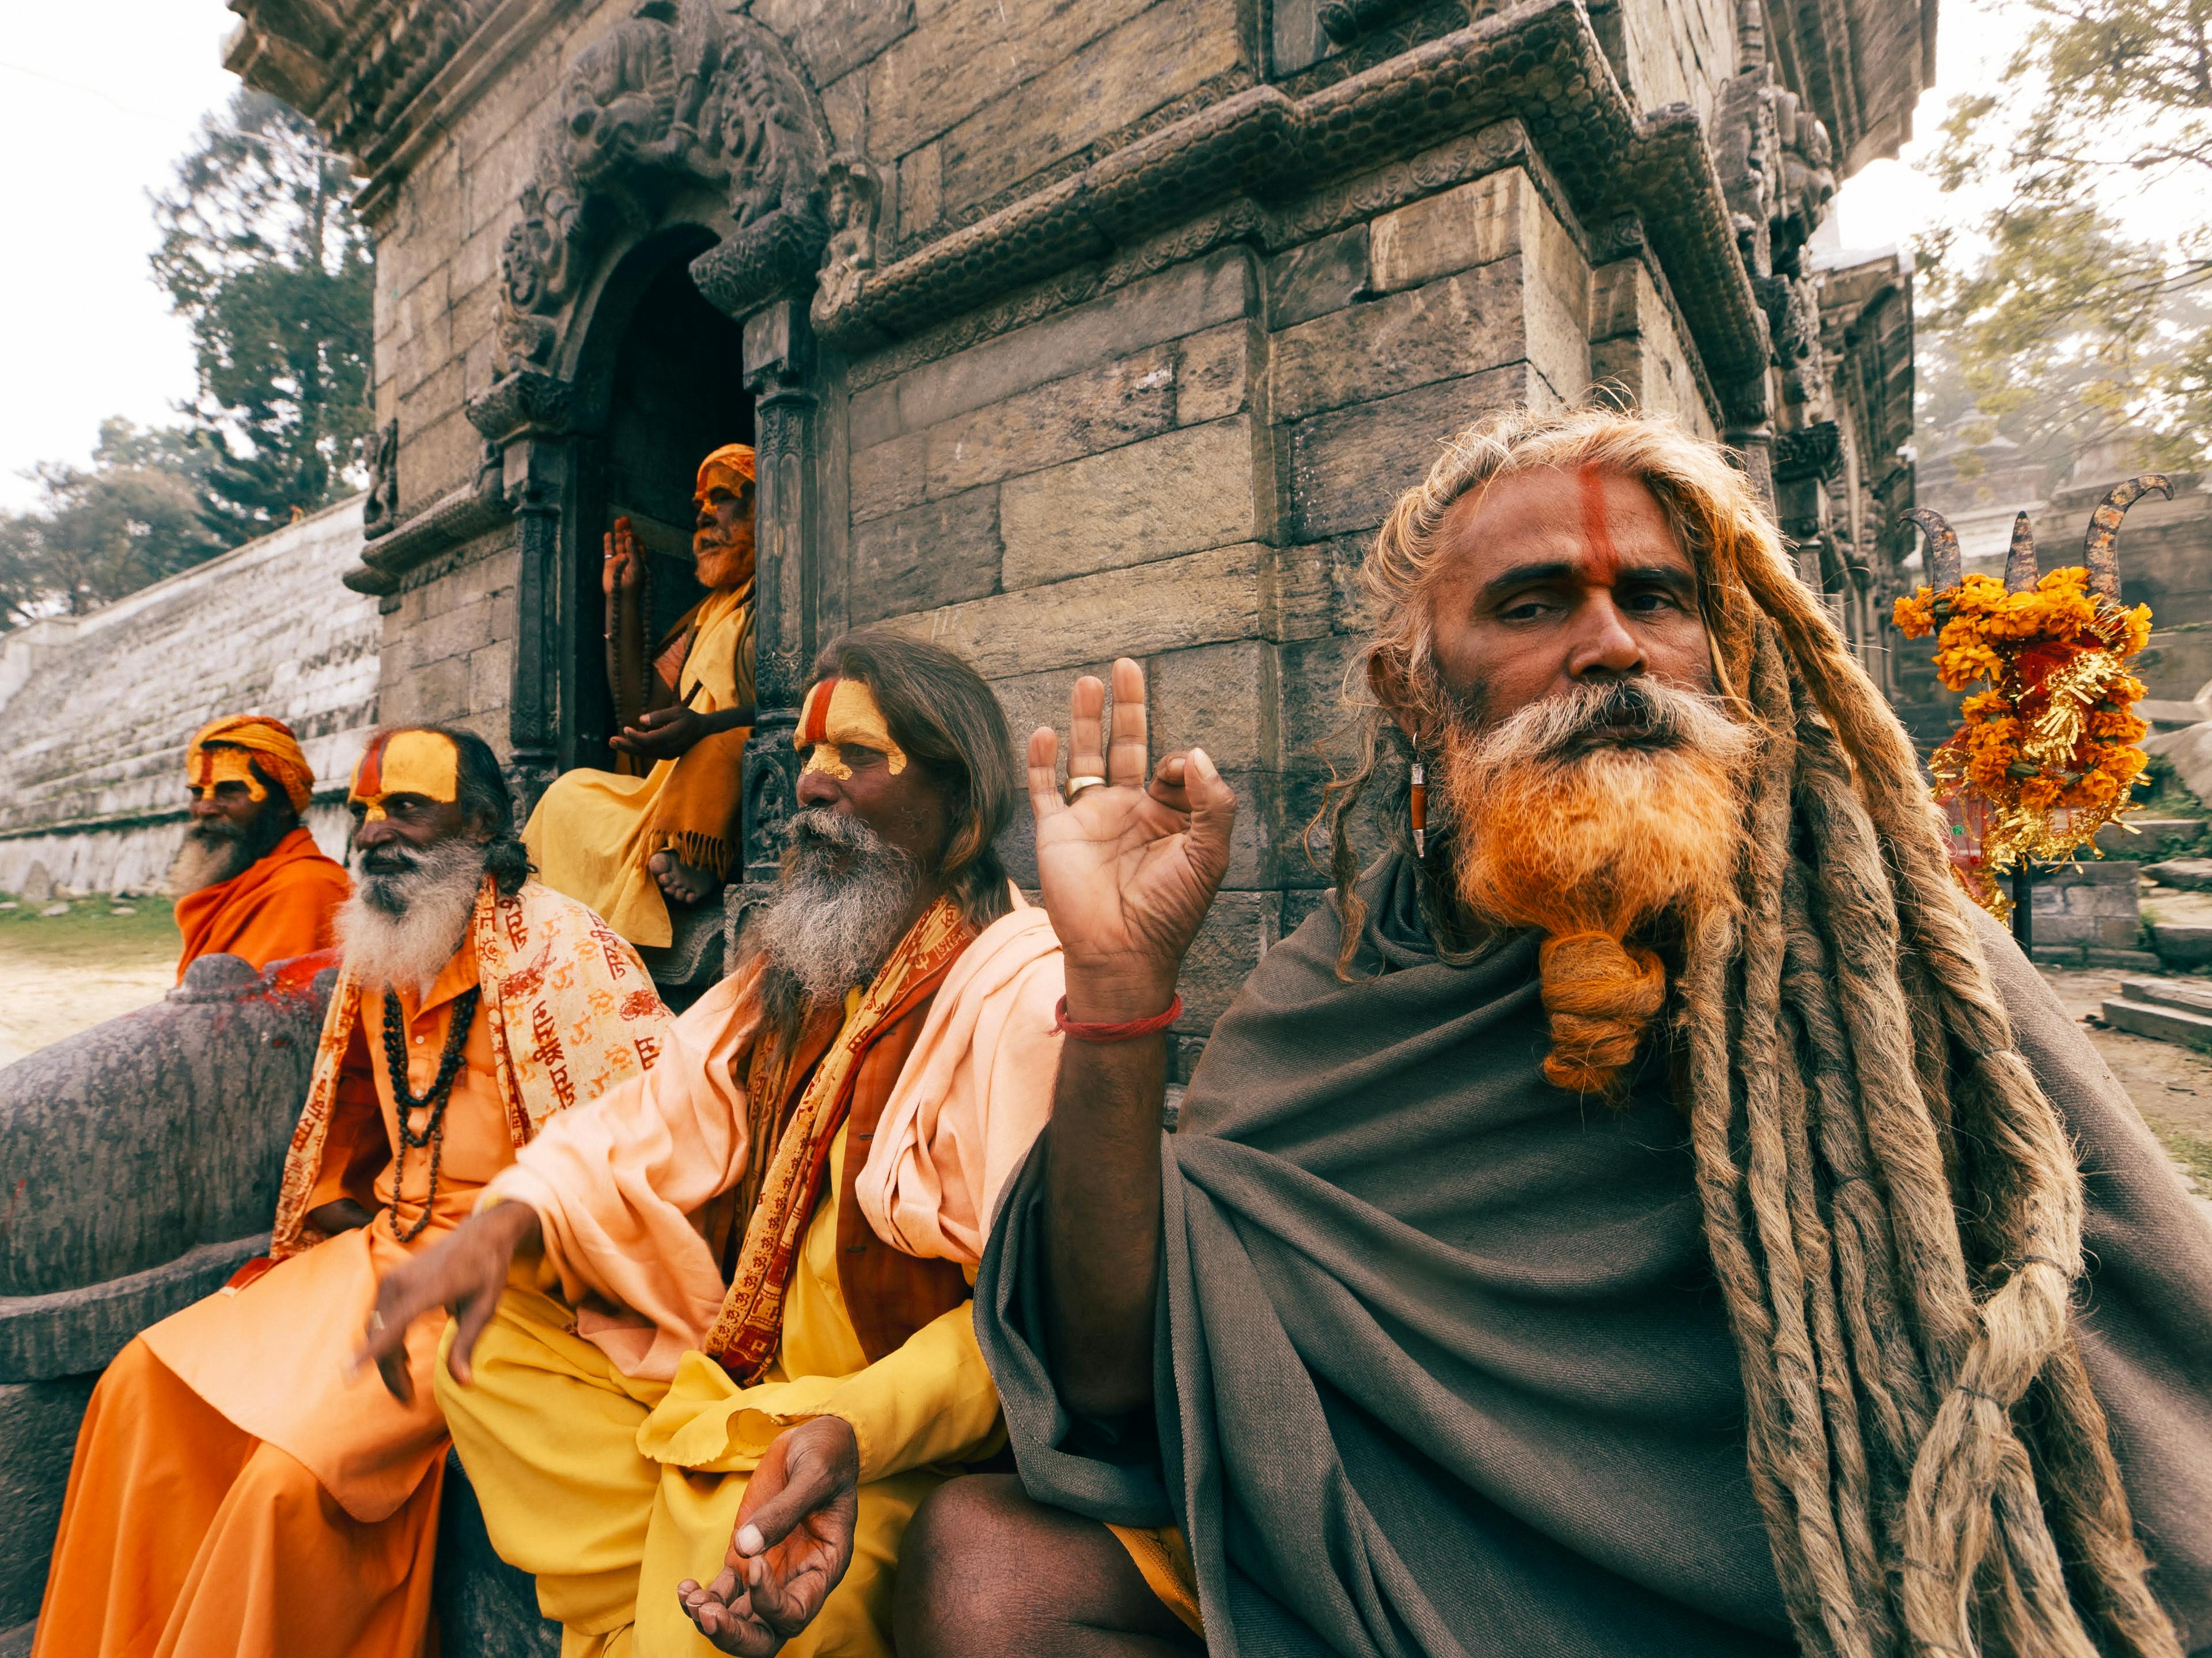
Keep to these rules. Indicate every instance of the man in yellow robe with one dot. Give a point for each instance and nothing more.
(742, 1281)
(237, 1492)
(249, 880)
(628, 845)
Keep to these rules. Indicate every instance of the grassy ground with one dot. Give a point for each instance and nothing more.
(62, 973)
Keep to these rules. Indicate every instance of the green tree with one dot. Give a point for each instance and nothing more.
(135, 517)
(262, 255)
(2077, 306)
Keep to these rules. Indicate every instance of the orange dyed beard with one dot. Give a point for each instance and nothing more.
(1594, 840)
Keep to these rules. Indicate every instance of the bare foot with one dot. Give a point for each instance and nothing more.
(681, 882)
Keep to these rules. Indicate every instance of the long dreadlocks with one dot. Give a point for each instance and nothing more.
(1936, 1475)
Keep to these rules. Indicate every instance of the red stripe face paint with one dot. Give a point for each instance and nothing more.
(1597, 536)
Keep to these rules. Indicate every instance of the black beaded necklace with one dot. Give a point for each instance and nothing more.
(405, 1103)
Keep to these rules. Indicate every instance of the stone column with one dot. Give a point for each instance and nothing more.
(527, 415)
(779, 371)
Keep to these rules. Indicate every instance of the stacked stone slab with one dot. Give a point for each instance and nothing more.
(1080, 332)
(95, 710)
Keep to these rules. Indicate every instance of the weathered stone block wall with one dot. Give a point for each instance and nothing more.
(1189, 469)
(449, 650)
(1166, 419)
(95, 710)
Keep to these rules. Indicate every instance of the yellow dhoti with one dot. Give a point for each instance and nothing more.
(593, 831)
(609, 1531)
(611, 1489)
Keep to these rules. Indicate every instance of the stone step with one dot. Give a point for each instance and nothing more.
(2194, 995)
(2166, 1025)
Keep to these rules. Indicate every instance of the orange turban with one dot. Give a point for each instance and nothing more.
(731, 459)
(270, 741)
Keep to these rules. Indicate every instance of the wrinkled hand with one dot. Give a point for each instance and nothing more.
(793, 1543)
(662, 734)
(624, 565)
(464, 1275)
(1128, 871)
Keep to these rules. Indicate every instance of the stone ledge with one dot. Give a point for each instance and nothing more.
(1538, 64)
(76, 1332)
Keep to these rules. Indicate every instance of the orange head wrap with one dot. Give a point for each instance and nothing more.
(214, 752)
(733, 461)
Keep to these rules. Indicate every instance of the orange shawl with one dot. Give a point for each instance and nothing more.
(573, 1013)
(278, 907)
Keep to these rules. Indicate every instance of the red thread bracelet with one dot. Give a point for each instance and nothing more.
(1127, 1032)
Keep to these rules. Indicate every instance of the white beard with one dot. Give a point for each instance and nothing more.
(401, 928)
(840, 905)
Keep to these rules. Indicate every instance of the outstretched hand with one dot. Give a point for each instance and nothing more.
(793, 1543)
(464, 1275)
(1128, 869)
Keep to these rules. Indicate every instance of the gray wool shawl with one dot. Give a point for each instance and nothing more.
(1440, 1365)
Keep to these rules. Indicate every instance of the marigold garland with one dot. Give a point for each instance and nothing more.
(2051, 743)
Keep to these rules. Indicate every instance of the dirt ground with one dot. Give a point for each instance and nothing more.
(61, 974)
(2171, 1085)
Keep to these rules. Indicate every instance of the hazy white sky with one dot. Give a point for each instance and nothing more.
(97, 100)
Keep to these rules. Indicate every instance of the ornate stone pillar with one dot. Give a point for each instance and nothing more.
(527, 416)
(779, 371)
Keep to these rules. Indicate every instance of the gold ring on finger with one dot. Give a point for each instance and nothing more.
(376, 1323)
(1076, 785)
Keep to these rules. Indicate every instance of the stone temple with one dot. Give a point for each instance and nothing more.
(1071, 330)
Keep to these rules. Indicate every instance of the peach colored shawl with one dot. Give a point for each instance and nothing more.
(618, 1182)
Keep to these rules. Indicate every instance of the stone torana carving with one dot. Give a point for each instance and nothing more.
(679, 108)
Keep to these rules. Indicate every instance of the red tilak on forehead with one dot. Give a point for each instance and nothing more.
(1605, 559)
(814, 718)
(368, 776)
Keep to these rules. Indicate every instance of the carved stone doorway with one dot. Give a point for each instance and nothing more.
(664, 368)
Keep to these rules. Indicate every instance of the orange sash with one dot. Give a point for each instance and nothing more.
(746, 1335)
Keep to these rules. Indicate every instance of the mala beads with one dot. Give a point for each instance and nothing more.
(405, 1102)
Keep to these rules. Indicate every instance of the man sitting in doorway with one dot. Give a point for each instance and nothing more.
(249, 880)
(663, 828)
(741, 1283)
(237, 1492)
(1643, 1212)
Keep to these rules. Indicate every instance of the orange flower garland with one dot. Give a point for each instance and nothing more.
(2051, 743)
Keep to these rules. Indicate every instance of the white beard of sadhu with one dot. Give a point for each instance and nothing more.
(1592, 815)
(841, 904)
(409, 911)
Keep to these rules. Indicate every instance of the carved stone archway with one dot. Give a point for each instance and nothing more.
(683, 113)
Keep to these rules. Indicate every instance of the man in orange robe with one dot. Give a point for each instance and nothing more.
(745, 1276)
(249, 880)
(238, 1491)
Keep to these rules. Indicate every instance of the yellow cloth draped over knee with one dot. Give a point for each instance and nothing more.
(612, 1489)
(593, 831)
(609, 1453)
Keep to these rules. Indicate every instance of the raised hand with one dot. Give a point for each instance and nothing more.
(792, 1542)
(624, 563)
(464, 1275)
(1129, 870)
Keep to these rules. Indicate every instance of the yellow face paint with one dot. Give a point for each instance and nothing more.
(406, 763)
(838, 712)
(206, 770)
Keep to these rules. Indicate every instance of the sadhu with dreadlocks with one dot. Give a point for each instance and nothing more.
(1649, 1218)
